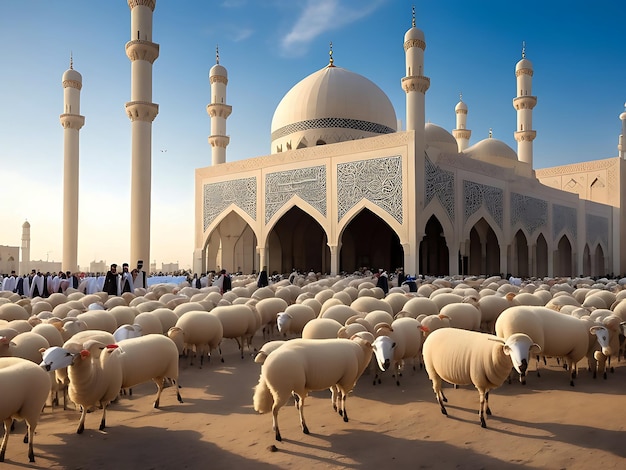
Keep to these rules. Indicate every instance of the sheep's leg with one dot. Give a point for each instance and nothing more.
(305, 428)
(333, 397)
(537, 367)
(572, 368)
(159, 381)
(5, 439)
(219, 347)
(279, 402)
(344, 396)
(439, 394)
(487, 409)
(81, 422)
(481, 411)
(28, 439)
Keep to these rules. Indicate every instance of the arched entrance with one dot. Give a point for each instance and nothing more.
(542, 256)
(297, 242)
(521, 255)
(368, 241)
(231, 246)
(434, 255)
(484, 256)
(586, 261)
(563, 264)
(600, 268)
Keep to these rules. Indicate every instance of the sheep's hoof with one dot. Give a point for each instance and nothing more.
(571, 382)
(156, 404)
(2, 456)
(272, 448)
(444, 411)
(305, 430)
(222, 360)
(179, 398)
(483, 424)
(278, 437)
(398, 383)
(605, 376)
(489, 411)
(102, 426)
(612, 370)
(345, 417)
(340, 412)
(379, 382)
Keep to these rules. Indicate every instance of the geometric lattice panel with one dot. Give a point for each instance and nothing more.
(307, 183)
(378, 180)
(218, 196)
(332, 123)
(564, 218)
(597, 231)
(440, 184)
(530, 211)
(477, 195)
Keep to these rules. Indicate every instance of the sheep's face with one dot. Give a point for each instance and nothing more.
(383, 351)
(602, 335)
(282, 320)
(518, 347)
(56, 358)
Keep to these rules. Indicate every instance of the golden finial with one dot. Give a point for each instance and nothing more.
(523, 49)
(330, 53)
(490, 132)
(217, 54)
(413, 14)
(71, 61)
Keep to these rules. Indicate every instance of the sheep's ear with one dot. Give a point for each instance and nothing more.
(535, 347)
(425, 329)
(506, 349)
(85, 354)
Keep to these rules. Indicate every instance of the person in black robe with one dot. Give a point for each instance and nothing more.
(262, 280)
(127, 280)
(227, 282)
(110, 281)
(383, 282)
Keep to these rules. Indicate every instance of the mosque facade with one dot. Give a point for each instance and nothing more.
(343, 188)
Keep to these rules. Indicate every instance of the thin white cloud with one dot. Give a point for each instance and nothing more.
(320, 16)
(242, 34)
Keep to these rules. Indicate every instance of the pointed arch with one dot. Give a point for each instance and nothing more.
(230, 244)
(541, 256)
(434, 254)
(520, 264)
(586, 261)
(369, 241)
(599, 261)
(482, 213)
(484, 252)
(563, 265)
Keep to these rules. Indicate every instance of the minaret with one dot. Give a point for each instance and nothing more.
(25, 264)
(621, 147)
(524, 104)
(415, 83)
(142, 53)
(219, 111)
(72, 121)
(461, 133)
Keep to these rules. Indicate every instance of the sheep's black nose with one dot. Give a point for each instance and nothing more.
(523, 366)
(46, 367)
(386, 364)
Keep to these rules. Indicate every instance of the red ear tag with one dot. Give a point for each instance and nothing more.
(112, 346)
(85, 354)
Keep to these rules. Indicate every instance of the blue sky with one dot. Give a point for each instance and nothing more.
(577, 50)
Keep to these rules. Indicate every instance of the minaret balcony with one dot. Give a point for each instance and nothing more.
(219, 140)
(461, 134)
(416, 83)
(524, 102)
(142, 50)
(142, 111)
(72, 121)
(525, 136)
(219, 110)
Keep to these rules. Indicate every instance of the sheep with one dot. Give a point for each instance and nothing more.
(557, 334)
(27, 346)
(462, 315)
(127, 331)
(150, 357)
(419, 305)
(463, 357)
(239, 322)
(340, 313)
(294, 318)
(150, 324)
(24, 388)
(268, 308)
(267, 349)
(91, 381)
(303, 365)
(99, 320)
(491, 306)
(321, 328)
(198, 331)
(407, 334)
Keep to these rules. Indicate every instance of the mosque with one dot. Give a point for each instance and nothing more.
(344, 188)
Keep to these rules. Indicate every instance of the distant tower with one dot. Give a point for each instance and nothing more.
(142, 53)
(25, 263)
(524, 104)
(621, 147)
(72, 121)
(415, 83)
(219, 111)
(461, 133)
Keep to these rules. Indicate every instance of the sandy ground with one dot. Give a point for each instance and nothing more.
(545, 424)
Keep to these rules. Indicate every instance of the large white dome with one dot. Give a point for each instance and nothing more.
(331, 105)
(492, 151)
(437, 136)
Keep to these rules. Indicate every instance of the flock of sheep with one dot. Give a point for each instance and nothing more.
(317, 334)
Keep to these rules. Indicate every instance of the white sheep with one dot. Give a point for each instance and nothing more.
(198, 332)
(294, 318)
(462, 315)
(267, 349)
(24, 388)
(91, 382)
(150, 357)
(302, 365)
(406, 333)
(127, 331)
(463, 357)
(268, 308)
(557, 334)
(321, 328)
(239, 322)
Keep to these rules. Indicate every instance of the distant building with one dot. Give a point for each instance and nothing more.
(45, 266)
(169, 267)
(9, 259)
(98, 266)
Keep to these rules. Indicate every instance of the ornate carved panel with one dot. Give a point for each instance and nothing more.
(531, 212)
(218, 196)
(476, 195)
(597, 230)
(378, 180)
(307, 183)
(564, 217)
(325, 123)
(440, 184)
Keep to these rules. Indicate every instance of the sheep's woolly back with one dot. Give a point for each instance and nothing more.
(263, 400)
